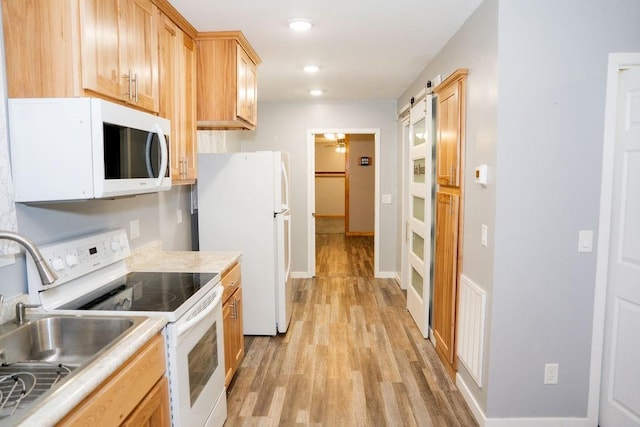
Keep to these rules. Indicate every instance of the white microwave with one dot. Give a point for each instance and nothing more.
(85, 148)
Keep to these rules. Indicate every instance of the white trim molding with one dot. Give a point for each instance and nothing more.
(311, 191)
(300, 275)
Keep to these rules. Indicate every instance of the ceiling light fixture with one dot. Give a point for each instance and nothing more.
(311, 68)
(300, 24)
(315, 92)
(341, 148)
(331, 136)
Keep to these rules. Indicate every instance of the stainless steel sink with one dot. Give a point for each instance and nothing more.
(67, 340)
(40, 355)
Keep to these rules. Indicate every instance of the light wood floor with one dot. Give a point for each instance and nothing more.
(352, 355)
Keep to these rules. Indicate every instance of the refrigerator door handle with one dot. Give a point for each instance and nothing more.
(285, 176)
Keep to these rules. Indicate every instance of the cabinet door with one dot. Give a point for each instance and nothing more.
(139, 59)
(238, 334)
(187, 77)
(153, 411)
(448, 151)
(227, 321)
(169, 40)
(246, 92)
(446, 275)
(100, 47)
(252, 93)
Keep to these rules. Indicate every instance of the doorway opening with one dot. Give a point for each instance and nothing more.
(343, 186)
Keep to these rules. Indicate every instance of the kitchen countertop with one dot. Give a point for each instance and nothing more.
(152, 258)
(68, 395)
(148, 258)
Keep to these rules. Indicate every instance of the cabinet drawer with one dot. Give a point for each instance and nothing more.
(119, 395)
(231, 282)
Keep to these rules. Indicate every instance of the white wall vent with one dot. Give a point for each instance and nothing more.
(471, 320)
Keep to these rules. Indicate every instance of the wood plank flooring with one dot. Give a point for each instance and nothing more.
(352, 355)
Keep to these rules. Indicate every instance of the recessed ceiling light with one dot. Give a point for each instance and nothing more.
(311, 68)
(315, 92)
(300, 24)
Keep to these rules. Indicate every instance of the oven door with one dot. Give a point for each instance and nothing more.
(196, 364)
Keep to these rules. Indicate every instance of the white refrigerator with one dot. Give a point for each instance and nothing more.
(243, 205)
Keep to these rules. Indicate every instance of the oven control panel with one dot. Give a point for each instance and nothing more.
(74, 258)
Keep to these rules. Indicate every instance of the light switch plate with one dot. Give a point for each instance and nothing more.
(134, 228)
(483, 235)
(386, 199)
(179, 215)
(585, 241)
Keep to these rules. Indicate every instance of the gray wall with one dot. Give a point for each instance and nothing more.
(474, 46)
(47, 223)
(283, 126)
(361, 184)
(552, 62)
(535, 114)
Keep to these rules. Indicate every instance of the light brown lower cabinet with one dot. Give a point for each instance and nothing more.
(233, 326)
(135, 395)
(446, 277)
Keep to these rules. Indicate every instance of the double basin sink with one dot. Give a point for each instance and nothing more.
(63, 344)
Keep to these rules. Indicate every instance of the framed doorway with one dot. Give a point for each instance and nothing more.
(311, 193)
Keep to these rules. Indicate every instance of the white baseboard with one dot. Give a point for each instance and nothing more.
(396, 276)
(471, 401)
(386, 275)
(300, 275)
(483, 421)
(538, 422)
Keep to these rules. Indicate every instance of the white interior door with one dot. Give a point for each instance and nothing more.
(406, 176)
(620, 390)
(420, 215)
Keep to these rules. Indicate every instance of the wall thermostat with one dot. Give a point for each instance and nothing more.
(481, 174)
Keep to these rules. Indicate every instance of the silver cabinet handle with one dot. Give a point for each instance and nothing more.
(135, 82)
(129, 93)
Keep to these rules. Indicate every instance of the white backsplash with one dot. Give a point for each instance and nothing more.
(218, 141)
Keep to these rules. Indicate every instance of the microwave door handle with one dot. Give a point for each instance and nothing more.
(164, 152)
(147, 155)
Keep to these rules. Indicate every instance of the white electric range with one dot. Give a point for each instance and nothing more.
(93, 276)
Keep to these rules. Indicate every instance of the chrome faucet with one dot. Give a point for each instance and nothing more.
(47, 274)
(21, 311)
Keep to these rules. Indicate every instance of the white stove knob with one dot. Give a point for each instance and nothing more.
(58, 264)
(115, 245)
(72, 260)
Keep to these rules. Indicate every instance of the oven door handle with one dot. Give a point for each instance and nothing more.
(184, 327)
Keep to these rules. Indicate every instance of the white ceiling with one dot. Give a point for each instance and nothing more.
(366, 49)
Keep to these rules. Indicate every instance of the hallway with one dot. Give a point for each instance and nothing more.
(352, 355)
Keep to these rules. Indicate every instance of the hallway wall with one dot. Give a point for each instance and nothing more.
(284, 125)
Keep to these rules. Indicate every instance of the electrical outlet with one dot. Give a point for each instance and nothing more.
(134, 228)
(179, 216)
(551, 373)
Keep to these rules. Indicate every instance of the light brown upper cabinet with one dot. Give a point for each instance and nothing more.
(227, 81)
(178, 98)
(69, 48)
(450, 128)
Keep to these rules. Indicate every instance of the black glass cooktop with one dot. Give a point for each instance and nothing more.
(161, 292)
